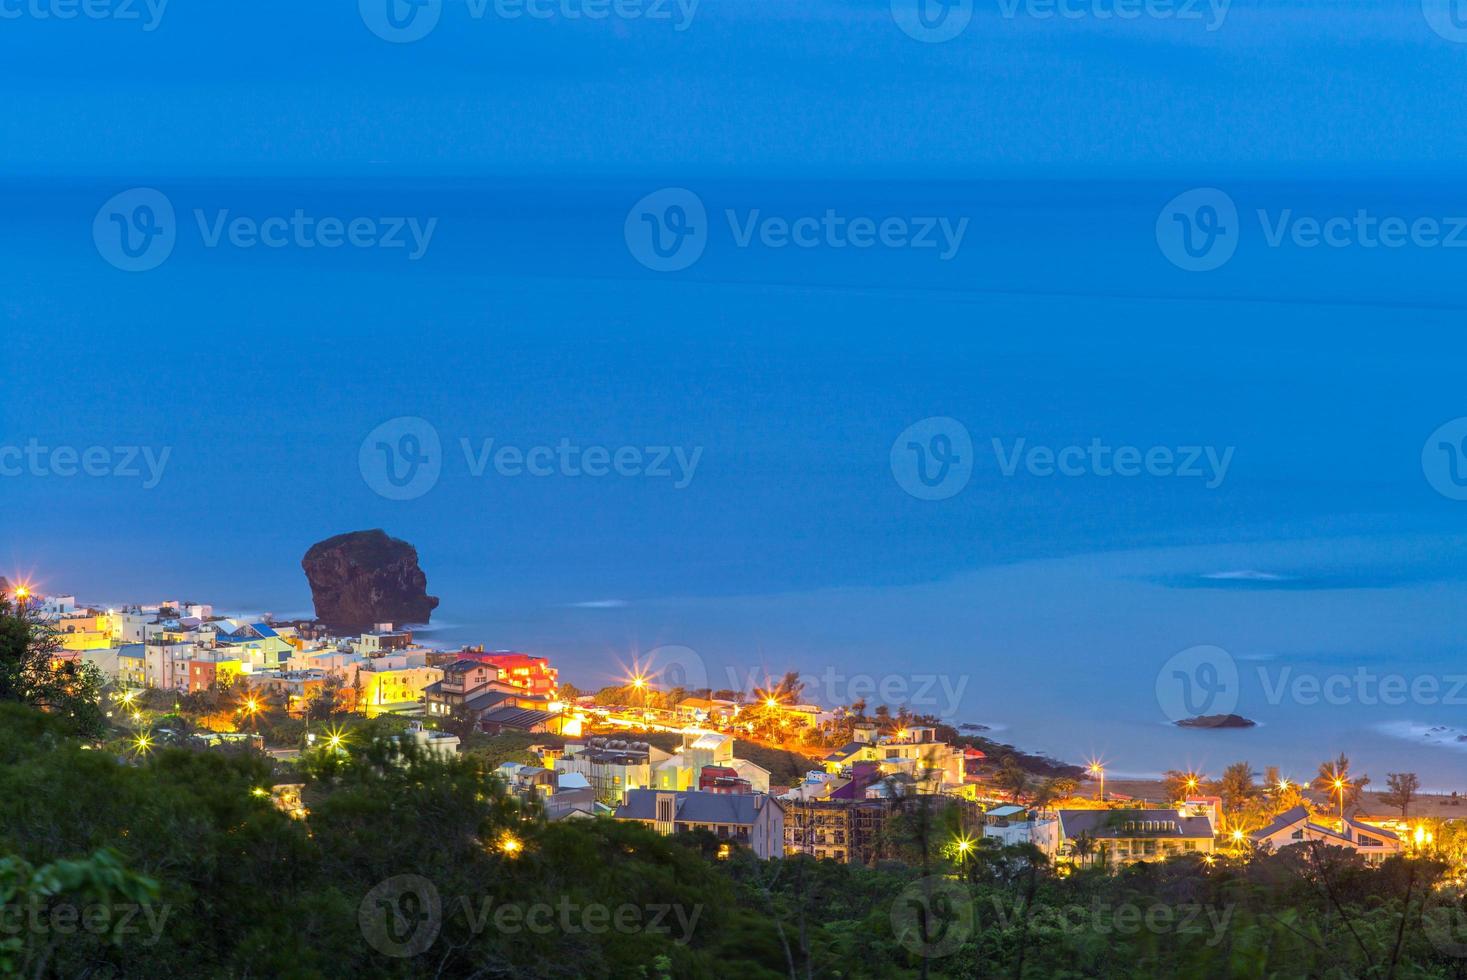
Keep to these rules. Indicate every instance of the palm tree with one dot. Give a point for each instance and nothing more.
(1052, 790)
(1334, 780)
(1012, 778)
(1083, 845)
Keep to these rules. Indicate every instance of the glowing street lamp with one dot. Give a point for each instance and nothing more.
(1097, 771)
(334, 738)
(142, 744)
(510, 846)
(1340, 789)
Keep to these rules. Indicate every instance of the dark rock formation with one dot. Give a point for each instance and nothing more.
(365, 577)
(1217, 721)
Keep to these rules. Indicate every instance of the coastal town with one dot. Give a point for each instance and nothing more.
(762, 770)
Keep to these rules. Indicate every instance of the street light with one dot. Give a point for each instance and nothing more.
(1098, 771)
(1340, 788)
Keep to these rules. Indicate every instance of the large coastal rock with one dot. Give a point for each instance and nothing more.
(365, 577)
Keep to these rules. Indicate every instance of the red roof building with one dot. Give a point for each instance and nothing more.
(533, 675)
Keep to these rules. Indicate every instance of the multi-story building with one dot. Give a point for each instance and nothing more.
(462, 680)
(612, 766)
(934, 766)
(384, 686)
(1121, 837)
(849, 831)
(527, 674)
(753, 820)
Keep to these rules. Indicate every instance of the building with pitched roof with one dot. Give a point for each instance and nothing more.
(754, 820)
(1120, 837)
(1293, 826)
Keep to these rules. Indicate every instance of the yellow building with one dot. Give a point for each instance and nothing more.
(393, 688)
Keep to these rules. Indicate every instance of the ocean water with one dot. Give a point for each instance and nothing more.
(1064, 314)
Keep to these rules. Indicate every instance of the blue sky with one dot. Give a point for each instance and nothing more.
(531, 318)
(762, 87)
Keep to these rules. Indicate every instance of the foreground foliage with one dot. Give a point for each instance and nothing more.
(177, 863)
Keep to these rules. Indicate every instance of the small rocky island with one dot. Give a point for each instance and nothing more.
(1217, 721)
(366, 577)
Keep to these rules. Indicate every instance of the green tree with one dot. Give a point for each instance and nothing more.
(1403, 788)
(33, 672)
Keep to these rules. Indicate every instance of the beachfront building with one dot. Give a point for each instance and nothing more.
(1294, 826)
(1119, 837)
